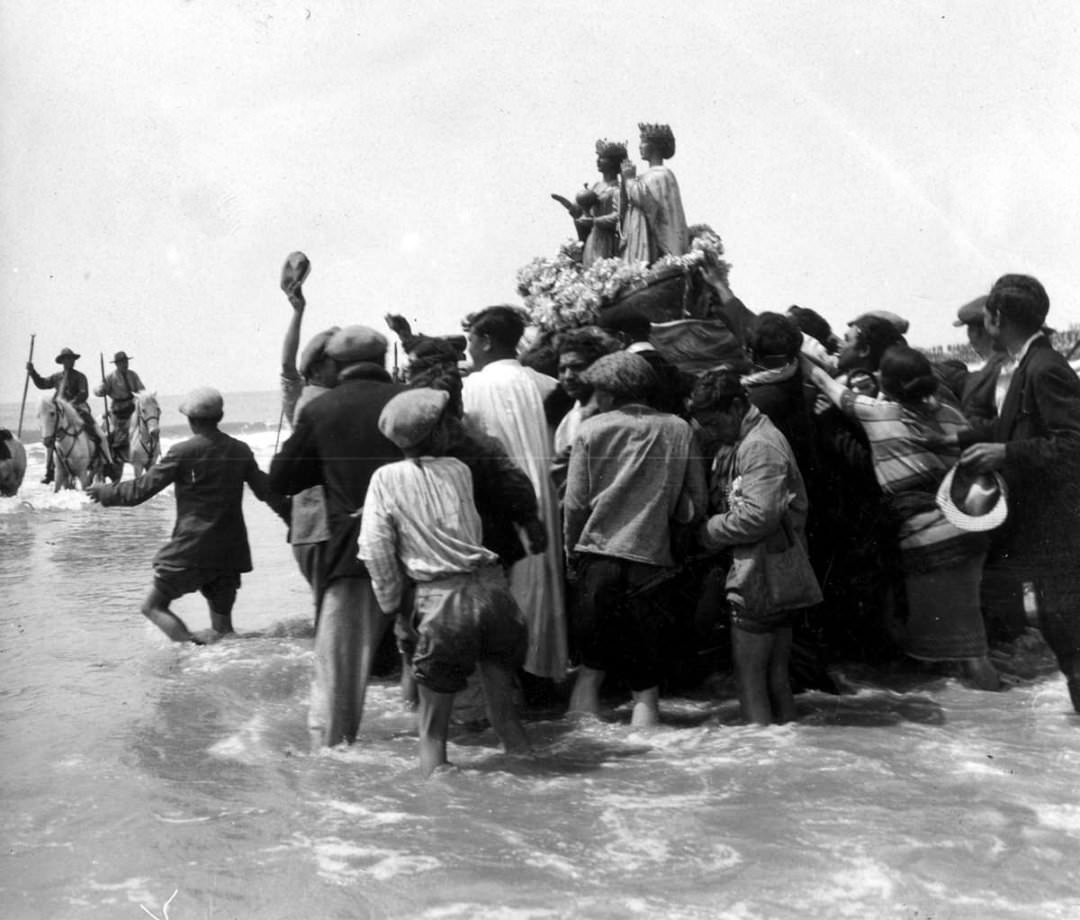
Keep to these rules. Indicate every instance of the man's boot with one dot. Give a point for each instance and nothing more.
(50, 468)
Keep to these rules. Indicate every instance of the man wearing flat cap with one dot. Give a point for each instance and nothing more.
(209, 549)
(977, 399)
(336, 443)
(71, 386)
(301, 382)
(120, 387)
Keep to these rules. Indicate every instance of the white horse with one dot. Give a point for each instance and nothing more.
(73, 448)
(145, 433)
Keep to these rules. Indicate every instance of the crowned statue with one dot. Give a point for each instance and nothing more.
(653, 223)
(600, 206)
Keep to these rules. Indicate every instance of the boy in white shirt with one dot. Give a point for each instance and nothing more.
(420, 524)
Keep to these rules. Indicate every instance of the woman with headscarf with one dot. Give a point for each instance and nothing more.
(942, 564)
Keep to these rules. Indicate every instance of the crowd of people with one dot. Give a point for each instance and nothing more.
(615, 525)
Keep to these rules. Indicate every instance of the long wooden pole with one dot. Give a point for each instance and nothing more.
(105, 395)
(26, 385)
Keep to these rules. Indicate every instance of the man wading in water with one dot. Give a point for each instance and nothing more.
(209, 545)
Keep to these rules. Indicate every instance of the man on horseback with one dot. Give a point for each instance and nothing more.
(71, 386)
(120, 386)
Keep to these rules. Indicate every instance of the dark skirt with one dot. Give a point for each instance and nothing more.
(945, 620)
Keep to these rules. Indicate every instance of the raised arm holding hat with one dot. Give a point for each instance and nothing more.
(336, 443)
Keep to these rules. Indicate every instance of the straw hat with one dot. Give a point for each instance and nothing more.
(975, 502)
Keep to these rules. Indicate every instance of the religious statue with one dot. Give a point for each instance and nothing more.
(600, 209)
(654, 224)
(595, 209)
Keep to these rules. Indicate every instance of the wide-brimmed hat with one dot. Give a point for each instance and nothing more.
(120, 356)
(66, 353)
(410, 416)
(973, 501)
(203, 402)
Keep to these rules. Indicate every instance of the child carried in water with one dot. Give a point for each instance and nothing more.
(420, 524)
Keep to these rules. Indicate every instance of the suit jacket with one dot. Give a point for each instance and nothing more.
(208, 472)
(1040, 427)
(337, 444)
(977, 402)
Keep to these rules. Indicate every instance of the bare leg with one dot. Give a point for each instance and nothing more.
(585, 697)
(434, 724)
(498, 682)
(156, 609)
(646, 712)
(752, 652)
(409, 693)
(780, 695)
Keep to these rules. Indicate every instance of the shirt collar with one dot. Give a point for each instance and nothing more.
(1017, 357)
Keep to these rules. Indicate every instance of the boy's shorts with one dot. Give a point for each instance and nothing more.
(216, 586)
(463, 619)
(760, 623)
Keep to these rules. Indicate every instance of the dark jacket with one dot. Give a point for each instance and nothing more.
(980, 386)
(1040, 427)
(337, 443)
(208, 472)
(504, 496)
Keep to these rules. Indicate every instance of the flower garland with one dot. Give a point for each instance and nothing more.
(561, 294)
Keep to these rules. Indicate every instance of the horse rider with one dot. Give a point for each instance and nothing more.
(70, 385)
(120, 386)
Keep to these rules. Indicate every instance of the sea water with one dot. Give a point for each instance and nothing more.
(146, 778)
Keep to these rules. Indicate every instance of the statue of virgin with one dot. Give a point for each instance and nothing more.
(654, 224)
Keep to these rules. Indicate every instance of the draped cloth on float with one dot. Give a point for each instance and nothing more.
(654, 224)
(507, 401)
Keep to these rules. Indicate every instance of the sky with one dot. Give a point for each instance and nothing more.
(159, 160)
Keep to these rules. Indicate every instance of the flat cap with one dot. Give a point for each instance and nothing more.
(315, 349)
(971, 312)
(353, 344)
(623, 374)
(410, 416)
(203, 402)
(898, 322)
